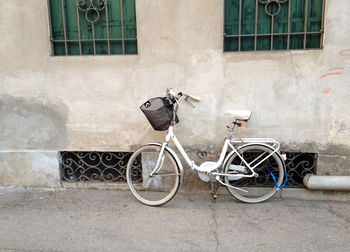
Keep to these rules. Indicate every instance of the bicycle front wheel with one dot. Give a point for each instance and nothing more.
(260, 188)
(159, 188)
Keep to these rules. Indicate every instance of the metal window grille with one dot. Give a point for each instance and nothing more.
(96, 166)
(252, 25)
(93, 27)
(298, 165)
(111, 167)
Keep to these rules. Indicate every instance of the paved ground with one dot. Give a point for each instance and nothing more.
(108, 220)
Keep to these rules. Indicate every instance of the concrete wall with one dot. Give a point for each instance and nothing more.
(92, 102)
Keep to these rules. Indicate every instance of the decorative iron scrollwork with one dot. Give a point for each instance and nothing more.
(111, 167)
(297, 164)
(91, 10)
(272, 7)
(96, 166)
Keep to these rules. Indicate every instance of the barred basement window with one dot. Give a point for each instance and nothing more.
(93, 27)
(96, 166)
(252, 25)
(108, 167)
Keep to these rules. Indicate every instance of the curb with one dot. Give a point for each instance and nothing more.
(286, 193)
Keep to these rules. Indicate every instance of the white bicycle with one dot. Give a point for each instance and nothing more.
(253, 171)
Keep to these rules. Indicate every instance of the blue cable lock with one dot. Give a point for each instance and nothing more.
(274, 179)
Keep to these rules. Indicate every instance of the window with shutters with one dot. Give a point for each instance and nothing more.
(93, 27)
(252, 25)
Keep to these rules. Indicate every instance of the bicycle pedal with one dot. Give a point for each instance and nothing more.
(214, 195)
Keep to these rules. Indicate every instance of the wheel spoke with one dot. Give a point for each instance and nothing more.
(159, 188)
(259, 188)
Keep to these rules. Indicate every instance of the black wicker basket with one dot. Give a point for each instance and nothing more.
(159, 112)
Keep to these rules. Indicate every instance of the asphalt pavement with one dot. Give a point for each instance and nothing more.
(111, 220)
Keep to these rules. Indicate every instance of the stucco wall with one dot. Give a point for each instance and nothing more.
(92, 102)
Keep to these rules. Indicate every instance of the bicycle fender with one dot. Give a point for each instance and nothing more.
(249, 144)
(177, 160)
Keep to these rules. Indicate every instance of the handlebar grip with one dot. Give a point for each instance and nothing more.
(195, 98)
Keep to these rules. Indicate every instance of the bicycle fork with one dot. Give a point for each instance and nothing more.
(160, 160)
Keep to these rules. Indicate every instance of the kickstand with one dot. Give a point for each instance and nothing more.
(214, 193)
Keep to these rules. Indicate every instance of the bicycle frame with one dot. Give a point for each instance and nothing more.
(208, 169)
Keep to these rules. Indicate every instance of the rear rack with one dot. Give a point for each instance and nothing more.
(270, 141)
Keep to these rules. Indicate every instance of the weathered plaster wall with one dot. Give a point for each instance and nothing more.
(92, 102)
(37, 169)
(27, 123)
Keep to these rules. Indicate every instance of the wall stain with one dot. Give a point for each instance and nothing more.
(337, 68)
(326, 90)
(328, 74)
(345, 52)
(322, 149)
(27, 123)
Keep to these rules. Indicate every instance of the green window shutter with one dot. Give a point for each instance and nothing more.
(273, 25)
(97, 27)
(57, 30)
(130, 26)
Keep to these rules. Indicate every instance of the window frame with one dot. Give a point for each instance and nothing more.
(80, 41)
(256, 35)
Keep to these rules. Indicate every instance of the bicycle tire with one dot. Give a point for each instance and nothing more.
(259, 188)
(153, 190)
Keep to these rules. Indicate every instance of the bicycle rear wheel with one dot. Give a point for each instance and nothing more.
(258, 189)
(153, 190)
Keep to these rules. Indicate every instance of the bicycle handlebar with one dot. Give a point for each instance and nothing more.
(195, 98)
(172, 93)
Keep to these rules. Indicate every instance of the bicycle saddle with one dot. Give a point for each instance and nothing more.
(242, 115)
